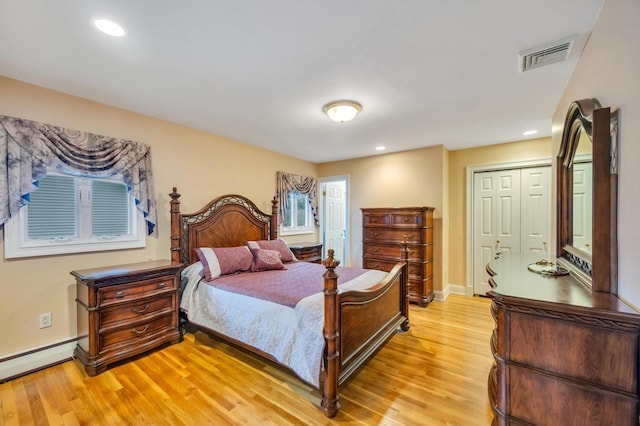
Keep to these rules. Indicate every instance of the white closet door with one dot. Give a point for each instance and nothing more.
(536, 213)
(582, 206)
(335, 214)
(511, 213)
(496, 220)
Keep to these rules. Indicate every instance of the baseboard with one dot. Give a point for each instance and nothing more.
(24, 363)
(461, 289)
(441, 295)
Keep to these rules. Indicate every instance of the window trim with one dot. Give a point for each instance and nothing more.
(17, 246)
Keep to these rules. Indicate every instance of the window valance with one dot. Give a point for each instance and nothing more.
(288, 182)
(29, 149)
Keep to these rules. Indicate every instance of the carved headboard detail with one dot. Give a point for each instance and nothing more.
(227, 221)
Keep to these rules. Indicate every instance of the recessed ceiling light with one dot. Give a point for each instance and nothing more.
(108, 27)
(380, 148)
(530, 132)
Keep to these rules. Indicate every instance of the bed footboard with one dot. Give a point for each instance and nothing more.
(357, 323)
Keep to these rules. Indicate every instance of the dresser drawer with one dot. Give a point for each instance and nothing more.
(136, 333)
(376, 219)
(133, 291)
(136, 309)
(380, 265)
(394, 252)
(417, 236)
(408, 219)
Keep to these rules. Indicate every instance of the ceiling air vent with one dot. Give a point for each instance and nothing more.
(557, 51)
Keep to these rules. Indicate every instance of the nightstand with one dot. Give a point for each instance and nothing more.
(125, 310)
(307, 252)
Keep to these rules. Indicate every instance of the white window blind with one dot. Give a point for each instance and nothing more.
(52, 212)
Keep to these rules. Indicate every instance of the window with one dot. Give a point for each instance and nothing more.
(296, 217)
(68, 214)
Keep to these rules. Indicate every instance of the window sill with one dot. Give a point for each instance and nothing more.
(296, 232)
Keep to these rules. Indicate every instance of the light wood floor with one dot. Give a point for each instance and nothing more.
(435, 374)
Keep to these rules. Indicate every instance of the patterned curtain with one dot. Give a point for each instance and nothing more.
(288, 182)
(28, 149)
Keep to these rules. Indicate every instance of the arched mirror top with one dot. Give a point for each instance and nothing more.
(587, 193)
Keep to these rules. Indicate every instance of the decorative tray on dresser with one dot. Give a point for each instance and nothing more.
(563, 355)
(383, 230)
(125, 310)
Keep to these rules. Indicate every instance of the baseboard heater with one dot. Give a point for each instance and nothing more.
(23, 363)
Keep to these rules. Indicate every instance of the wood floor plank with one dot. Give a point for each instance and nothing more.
(434, 374)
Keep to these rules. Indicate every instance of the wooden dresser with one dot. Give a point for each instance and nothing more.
(125, 310)
(563, 355)
(383, 230)
(307, 252)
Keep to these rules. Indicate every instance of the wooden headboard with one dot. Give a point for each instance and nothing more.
(227, 221)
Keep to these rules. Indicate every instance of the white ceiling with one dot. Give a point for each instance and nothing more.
(426, 72)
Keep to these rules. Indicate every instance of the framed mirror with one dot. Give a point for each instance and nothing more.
(587, 195)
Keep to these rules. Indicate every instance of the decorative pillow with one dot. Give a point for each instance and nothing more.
(286, 255)
(264, 260)
(224, 260)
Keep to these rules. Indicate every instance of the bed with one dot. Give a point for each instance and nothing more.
(334, 329)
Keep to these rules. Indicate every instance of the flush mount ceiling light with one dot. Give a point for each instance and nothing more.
(341, 111)
(108, 27)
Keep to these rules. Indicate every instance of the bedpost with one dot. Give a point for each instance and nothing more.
(274, 219)
(330, 398)
(176, 228)
(404, 284)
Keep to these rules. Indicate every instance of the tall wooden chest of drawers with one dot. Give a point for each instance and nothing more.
(125, 310)
(383, 230)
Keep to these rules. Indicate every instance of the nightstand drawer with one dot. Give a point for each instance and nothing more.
(135, 309)
(132, 291)
(132, 335)
(307, 252)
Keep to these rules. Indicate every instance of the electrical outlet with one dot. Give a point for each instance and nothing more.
(45, 320)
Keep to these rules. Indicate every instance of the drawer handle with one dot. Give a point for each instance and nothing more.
(374, 219)
(139, 311)
(375, 234)
(120, 293)
(162, 285)
(374, 249)
(136, 331)
(410, 237)
(375, 266)
(406, 219)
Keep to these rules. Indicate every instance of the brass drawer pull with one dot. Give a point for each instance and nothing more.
(136, 331)
(120, 293)
(374, 219)
(375, 234)
(406, 219)
(410, 237)
(375, 249)
(162, 285)
(139, 311)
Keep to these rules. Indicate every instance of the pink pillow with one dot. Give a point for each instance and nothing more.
(224, 260)
(265, 260)
(286, 255)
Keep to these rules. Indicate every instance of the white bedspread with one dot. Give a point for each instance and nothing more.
(293, 336)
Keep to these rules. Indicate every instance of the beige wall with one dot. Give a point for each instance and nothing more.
(609, 70)
(199, 164)
(459, 161)
(409, 178)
